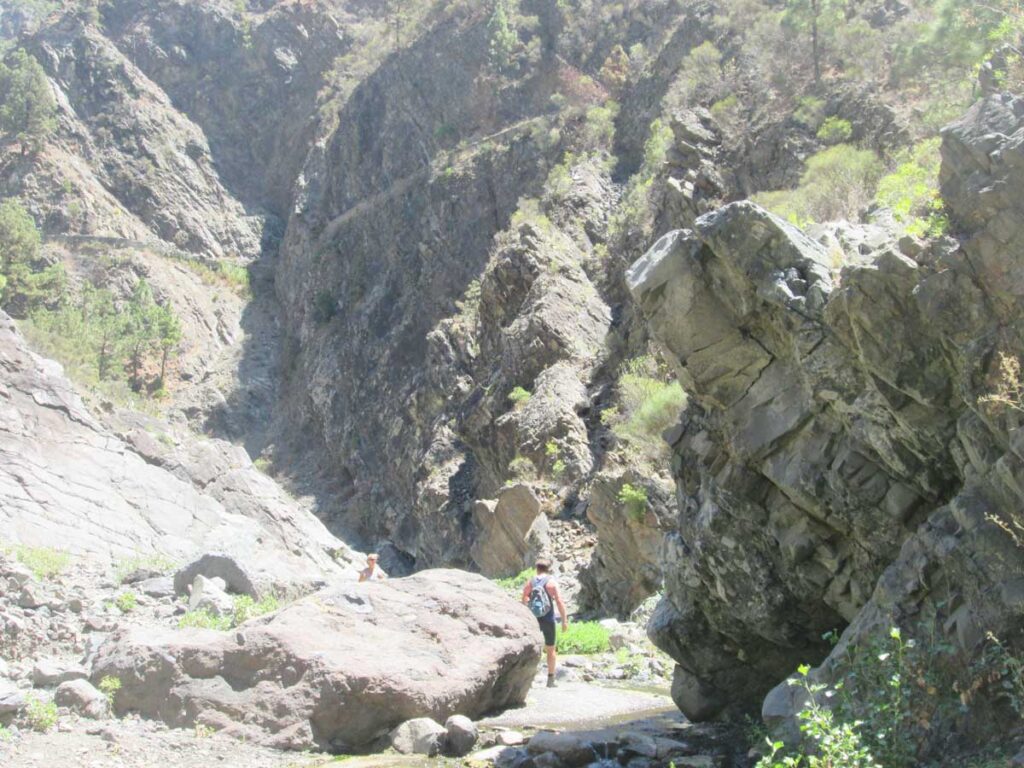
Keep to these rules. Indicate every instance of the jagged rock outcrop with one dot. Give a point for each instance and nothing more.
(626, 567)
(313, 674)
(838, 463)
(511, 532)
(69, 482)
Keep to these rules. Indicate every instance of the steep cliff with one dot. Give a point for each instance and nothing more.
(843, 460)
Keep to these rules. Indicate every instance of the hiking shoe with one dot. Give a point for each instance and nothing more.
(551, 681)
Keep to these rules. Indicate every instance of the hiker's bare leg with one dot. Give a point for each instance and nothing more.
(550, 649)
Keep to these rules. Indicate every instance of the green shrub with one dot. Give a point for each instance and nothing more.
(126, 602)
(599, 126)
(727, 111)
(519, 396)
(246, 608)
(835, 130)
(635, 210)
(45, 563)
(41, 714)
(911, 191)
(584, 637)
(830, 743)
(810, 112)
(109, 686)
(837, 184)
(649, 405)
(634, 499)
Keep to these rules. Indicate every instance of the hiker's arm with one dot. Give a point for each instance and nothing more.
(526, 593)
(561, 607)
(362, 576)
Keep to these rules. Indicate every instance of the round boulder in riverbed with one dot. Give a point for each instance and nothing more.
(462, 735)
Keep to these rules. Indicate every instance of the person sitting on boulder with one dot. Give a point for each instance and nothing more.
(541, 595)
(372, 571)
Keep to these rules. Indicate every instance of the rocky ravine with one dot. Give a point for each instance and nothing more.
(838, 464)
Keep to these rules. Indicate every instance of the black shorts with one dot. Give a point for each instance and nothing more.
(547, 626)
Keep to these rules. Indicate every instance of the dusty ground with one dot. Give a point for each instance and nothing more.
(574, 705)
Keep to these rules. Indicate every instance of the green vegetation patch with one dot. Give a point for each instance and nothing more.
(584, 637)
(245, 608)
(514, 584)
(45, 563)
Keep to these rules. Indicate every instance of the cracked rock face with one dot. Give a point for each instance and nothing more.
(313, 674)
(835, 467)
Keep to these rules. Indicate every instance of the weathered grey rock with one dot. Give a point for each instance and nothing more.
(512, 532)
(461, 735)
(215, 566)
(835, 457)
(571, 750)
(48, 672)
(158, 587)
(12, 698)
(81, 697)
(510, 738)
(70, 483)
(626, 567)
(419, 736)
(456, 644)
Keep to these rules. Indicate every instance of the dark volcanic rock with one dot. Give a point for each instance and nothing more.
(836, 465)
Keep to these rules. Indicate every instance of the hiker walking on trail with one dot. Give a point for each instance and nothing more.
(541, 596)
(372, 571)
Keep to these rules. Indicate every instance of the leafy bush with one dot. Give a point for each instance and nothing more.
(837, 184)
(45, 563)
(599, 126)
(109, 686)
(634, 499)
(727, 111)
(584, 637)
(649, 406)
(519, 396)
(246, 608)
(911, 191)
(831, 744)
(126, 602)
(835, 130)
(41, 714)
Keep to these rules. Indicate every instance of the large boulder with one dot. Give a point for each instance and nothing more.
(81, 697)
(512, 531)
(345, 665)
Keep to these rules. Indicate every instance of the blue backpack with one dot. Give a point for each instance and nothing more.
(540, 600)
